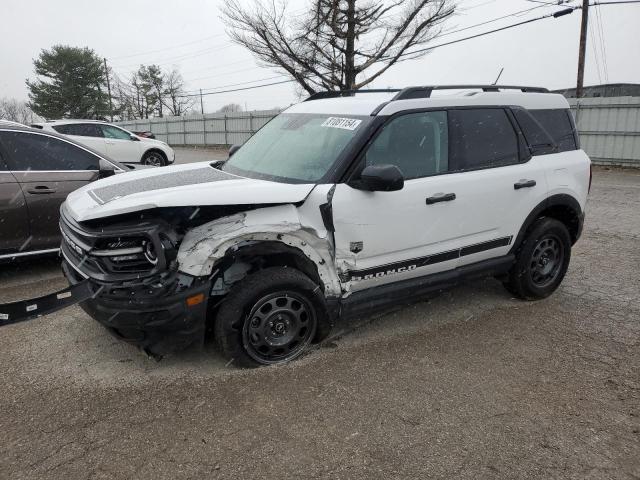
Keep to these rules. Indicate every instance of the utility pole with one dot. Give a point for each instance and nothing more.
(201, 103)
(583, 47)
(106, 72)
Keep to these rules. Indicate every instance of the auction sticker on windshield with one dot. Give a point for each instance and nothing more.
(344, 123)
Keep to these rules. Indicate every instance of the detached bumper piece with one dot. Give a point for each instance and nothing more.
(21, 311)
(159, 316)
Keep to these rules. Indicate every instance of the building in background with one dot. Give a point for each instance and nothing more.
(606, 90)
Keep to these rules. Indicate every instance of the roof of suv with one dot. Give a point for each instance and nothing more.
(70, 120)
(390, 102)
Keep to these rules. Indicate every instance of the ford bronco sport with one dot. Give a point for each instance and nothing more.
(341, 204)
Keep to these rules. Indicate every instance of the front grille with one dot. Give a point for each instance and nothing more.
(111, 254)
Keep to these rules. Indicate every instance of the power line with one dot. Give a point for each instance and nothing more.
(238, 89)
(167, 48)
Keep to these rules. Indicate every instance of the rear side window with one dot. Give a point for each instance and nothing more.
(558, 124)
(481, 138)
(31, 151)
(417, 143)
(539, 141)
(79, 129)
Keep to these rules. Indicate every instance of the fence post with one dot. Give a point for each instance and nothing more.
(184, 131)
(226, 139)
(204, 130)
(166, 129)
(251, 132)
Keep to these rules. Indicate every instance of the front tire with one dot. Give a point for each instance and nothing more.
(270, 317)
(541, 260)
(154, 159)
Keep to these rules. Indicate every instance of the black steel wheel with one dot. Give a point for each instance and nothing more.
(546, 260)
(279, 327)
(541, 260)
(271, 316)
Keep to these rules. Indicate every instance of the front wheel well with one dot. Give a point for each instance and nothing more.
(264, 254)
(155, 150)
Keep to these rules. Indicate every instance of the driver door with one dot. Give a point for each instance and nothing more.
(383, 237)
(120, 144)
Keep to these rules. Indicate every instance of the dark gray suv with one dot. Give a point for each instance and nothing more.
(37, 171)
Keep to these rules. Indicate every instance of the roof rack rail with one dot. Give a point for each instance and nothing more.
(425, 91)
(349, 93)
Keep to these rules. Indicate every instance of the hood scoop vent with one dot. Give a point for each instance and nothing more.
(158, 182)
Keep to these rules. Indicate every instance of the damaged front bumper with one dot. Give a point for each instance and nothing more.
(158, 316)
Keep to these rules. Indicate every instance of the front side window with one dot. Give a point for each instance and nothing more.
(296, 147)
(30, 151)
(417, 143)
(114, 132)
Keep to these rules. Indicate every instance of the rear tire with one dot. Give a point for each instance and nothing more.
(270, 317)
(154, 158)
(541, 260)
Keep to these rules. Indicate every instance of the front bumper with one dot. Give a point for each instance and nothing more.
(154, 317)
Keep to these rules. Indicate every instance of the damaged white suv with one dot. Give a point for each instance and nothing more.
(339, 205)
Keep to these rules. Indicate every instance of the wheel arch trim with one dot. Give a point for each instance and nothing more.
(558, 200)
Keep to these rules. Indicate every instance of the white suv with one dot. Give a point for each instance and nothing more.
(116, 142)
(336, 207)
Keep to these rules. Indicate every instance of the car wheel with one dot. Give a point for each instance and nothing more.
(541, 261)
(270, 317)
(154, 159)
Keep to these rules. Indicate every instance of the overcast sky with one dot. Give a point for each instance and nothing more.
(190, 36)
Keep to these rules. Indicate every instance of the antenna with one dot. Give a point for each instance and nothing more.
(498, 77)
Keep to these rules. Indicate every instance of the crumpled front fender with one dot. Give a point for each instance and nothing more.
(204, 246)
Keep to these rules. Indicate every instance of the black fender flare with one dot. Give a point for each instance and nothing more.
(562, 200)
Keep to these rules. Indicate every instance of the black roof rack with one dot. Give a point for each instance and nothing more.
(425, 91)
(349, 93)
(422, 92)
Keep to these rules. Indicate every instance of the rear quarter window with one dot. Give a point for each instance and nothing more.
(558, 124)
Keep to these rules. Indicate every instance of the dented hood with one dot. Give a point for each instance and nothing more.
(194, 184)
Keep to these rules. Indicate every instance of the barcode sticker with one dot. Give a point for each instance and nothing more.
(344, 123)
(4, 316)
(62, 295)
(31, 308)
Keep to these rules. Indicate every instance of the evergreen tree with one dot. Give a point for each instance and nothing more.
(72, 84)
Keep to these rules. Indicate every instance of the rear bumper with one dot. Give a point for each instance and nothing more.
(155, 318)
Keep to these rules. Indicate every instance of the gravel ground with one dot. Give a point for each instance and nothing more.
(468, 384)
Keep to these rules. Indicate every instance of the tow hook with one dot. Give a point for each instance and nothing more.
(23, 310)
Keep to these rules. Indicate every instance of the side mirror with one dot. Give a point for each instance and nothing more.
(381, 178)
(233, 149)
(134, 138)
(106, 169)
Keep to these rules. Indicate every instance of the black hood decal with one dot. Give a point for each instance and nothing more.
(157, 182)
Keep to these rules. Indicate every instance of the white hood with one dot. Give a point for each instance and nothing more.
(194, 184)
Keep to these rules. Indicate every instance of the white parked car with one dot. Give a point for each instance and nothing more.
(116, 142)
(336, 207)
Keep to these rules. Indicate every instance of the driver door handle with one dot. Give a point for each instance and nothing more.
(41, 189)
(524, 184)
(443, 197)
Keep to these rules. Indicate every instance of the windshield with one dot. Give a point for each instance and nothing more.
(295, 147)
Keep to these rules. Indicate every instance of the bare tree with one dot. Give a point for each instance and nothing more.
(230, 108)
(173, 98)
(17, 111)
(338, 44)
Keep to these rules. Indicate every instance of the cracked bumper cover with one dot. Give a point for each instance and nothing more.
(155, 318)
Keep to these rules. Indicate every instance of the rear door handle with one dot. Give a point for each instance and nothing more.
(524, 184)
(41, 189)
(443, 197)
